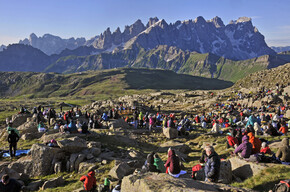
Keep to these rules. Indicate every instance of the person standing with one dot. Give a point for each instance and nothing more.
(13, 138)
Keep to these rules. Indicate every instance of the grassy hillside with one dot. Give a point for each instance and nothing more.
(114, 82)
(170, 58)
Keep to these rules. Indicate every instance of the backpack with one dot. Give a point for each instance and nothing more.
(283, 186)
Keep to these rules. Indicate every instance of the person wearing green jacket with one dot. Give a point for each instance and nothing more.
(159, 164)
(9, 128)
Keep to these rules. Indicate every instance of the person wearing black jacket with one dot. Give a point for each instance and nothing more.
(212, 166)
(9, 185)
(13, 138)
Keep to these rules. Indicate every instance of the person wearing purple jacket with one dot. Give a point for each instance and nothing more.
(245, 148)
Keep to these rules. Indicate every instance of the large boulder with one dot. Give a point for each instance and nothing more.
(53, 183)
(121, 170)
(225, 172)
(31, 136)
(40, 161)
(28, 127)
(12, 173)
(72, 145)
(170, 133)
(19, 119)
(118, 123)
(85, 167)
(161, 182)
(244, 169)
(34, 186)
(287, 114)
(177, 146)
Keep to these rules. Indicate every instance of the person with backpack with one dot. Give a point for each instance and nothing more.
(89, 181)
(256, 143)
(13, 138)
(282, 186)
(10, 128)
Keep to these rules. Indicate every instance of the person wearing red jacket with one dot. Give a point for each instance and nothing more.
(89, 181)
(265, 149)
(283, 129)
(173, 163)
(232, 141)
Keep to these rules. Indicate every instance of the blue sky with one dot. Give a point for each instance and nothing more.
(88, 18)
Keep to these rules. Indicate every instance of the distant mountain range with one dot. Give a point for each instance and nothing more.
(280, 49)
(197, 47)
(237, 41)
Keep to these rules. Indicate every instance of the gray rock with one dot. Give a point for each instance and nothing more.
(121, 170)
(170, 133)
(52, 183)
(34, 186)
(85, 167)
(72, 145)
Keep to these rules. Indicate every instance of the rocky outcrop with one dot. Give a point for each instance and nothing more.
(72, 145)
(154, 182)
(244, 169)
(121, 170)
(51, 44)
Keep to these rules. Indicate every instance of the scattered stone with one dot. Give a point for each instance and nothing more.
(121, 170)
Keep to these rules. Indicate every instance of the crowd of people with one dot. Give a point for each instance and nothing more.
(244, 127)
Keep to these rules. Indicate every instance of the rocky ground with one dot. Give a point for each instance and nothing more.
(120, 151)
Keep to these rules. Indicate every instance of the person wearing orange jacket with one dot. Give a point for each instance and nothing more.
(89, 181)
(256, 142)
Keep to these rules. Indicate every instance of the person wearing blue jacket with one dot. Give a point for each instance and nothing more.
(252, 120)
(212, 165)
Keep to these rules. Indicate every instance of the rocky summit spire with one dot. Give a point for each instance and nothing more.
(217, 22)
(152, 21)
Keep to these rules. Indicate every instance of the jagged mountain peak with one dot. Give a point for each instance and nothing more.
(152, 21)
(217, 21)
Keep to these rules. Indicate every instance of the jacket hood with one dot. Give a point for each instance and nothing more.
(245, 138)
(250, 134)
(285, 141)
(91, 173)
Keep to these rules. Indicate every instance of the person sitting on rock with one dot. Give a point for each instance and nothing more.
(84, 128)
(215, 127)
(173, 163)
(251, 121)
(212, 165)
(159, 164)
(283, 129)
(41, 127)
(265, 149)
(72, 128)
(13, 138)
(271, 130)
(257, 129)
(244, 150)
(149, 164)
(284, 151)
(232, 141)
(8, 184)
(89, 181)
(117, 188)
(256, 143)
(52, 143)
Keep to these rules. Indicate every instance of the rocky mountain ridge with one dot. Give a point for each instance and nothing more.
(238, 40)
